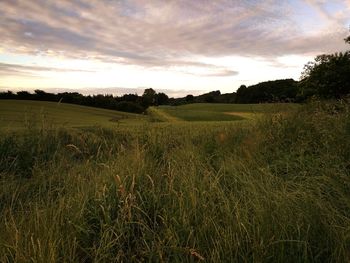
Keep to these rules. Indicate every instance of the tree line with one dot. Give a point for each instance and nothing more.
(284, 90)
(128, 103)
(328, 76)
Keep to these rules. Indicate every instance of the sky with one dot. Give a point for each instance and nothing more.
(178, 47)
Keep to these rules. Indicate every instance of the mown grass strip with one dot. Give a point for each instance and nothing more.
(157, 114)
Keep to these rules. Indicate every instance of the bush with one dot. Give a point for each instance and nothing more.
(128, 106)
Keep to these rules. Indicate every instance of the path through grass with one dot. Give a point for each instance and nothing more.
(158, 114)
(221, 112)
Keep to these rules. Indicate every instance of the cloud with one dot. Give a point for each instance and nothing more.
(218, 72)
(31, 71)
(222, 73)
(319, 7)
(162, 33)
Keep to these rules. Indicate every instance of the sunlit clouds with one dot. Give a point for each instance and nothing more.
(178, 46)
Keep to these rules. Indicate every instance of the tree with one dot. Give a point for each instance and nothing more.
(347, 40)
(24, 95)
(7, 95)
(241, 93)
(129, 97)
(149, 97)
(281, 90)
(189, 98)
(129, 106)
(209, 97)
(161, 98)
(328, 76)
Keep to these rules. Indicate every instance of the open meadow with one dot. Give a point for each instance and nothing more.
(17, 114)
(218, 112)
(199, 182)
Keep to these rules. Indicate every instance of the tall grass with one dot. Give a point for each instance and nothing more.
(277, 190)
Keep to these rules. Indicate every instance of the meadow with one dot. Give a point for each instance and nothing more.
(270, 184)
(218, 111)
(17, 114)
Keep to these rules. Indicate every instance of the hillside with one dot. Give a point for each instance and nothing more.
(21, 113)
(217, 112)
(25, 113)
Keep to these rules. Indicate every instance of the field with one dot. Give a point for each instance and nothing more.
(221, 112)
(19, 114)
(265, 183)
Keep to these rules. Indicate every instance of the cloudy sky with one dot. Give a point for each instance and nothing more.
(176, 46)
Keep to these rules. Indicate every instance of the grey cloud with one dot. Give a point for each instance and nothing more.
(216, 72)
(14, 72)
(321, 10)
(222, 73)
(29, 70)
(160, 33)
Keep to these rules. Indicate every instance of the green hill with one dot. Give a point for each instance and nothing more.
(16, 114)
(217, 112)
(22, 113)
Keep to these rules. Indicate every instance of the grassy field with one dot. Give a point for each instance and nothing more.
(15, 114)
(19, 114)
(221, 112)
(196, 115)
(276, 189)
(253, 108)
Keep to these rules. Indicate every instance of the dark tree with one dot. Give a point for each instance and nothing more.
(328, 76)
(129, 106)
(129, 97)
(282, 90)
(161, 98)
(347, 40)
(7, 95)
(241, 93)
(189, 98)
(148, 97)
(24, 95)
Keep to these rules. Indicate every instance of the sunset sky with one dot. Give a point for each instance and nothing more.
(178, 47)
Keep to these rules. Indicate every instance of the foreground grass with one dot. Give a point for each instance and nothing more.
(273, 191)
